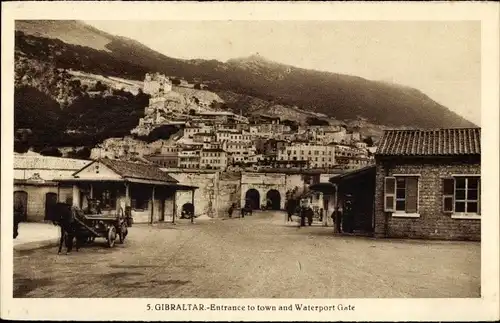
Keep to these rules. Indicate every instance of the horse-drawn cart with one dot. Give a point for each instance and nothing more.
(93, 226)
(86, 225)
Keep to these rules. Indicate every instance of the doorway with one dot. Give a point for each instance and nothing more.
(273, 200)
(21, 202)
(252, 198)
(50, 202)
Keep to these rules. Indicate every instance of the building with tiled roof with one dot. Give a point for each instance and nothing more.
(138, 171)
(144, 190)
(35, 186)
(438, 142)
(428, 184)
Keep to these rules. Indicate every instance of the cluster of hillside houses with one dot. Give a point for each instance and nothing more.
(423, 184)
(413, 184)
(222, 140)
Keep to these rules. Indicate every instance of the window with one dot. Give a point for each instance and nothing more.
(140, 199)
(461, 195)
(401, 194)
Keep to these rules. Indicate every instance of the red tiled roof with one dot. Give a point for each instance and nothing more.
(138, 170)
(436, 142)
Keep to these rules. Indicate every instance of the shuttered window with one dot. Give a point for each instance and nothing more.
(390, 194)
(401, 194)
(411, 195)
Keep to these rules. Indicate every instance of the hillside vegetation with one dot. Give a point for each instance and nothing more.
(44, 49)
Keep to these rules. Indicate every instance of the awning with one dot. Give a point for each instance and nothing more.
(127, 180)
(352, 174)
(325, 188)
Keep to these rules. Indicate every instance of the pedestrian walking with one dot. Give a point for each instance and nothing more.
(321, 215)
(310, 215)
(290, 209)
(302, 217)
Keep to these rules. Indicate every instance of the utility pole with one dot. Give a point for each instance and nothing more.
(216, 188)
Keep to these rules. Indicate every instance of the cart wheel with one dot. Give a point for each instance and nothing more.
(111, 236)
(123, 232)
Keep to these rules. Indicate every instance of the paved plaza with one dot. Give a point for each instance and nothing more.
(256, 257)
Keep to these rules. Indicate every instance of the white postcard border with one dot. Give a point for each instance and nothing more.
(484, 308)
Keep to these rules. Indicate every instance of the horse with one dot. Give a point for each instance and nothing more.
(63, 215)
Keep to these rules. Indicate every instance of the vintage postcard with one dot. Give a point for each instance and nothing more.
(250, 161)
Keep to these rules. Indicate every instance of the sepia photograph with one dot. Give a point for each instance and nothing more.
(213, 161)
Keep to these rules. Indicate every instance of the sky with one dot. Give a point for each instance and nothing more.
(441, 59)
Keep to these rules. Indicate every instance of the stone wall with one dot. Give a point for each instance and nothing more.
(228, 187)
(432, 222)
(263, 183)
(218, 190)
(215, 194)
(35, 208)
(204, 196)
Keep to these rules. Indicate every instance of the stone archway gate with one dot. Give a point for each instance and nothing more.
(263, 183)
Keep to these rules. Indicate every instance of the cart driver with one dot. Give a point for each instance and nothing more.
(94, 206)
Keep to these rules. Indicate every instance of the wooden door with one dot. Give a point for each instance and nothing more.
(162, 210)
(50, 202)
(21, 204)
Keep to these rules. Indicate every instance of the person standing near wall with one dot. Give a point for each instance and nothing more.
(302, 216)
(338, 218)
(18, 213)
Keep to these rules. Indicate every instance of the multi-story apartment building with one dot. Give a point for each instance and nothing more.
(165, 155)
(233, 135)
(190, 131)
(222, 135)
(213, 159)
(273, 146)
(272, 128)
(221, 117)
(286, 136)
(204, 137)
(361, 145)
(260, 119)
(189, 158)
(213, 145)
(318, 156)
(335, 136)
(167, 160)
(353, 156)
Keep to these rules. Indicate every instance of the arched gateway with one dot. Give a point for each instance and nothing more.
(273, 200)
(252, 197)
